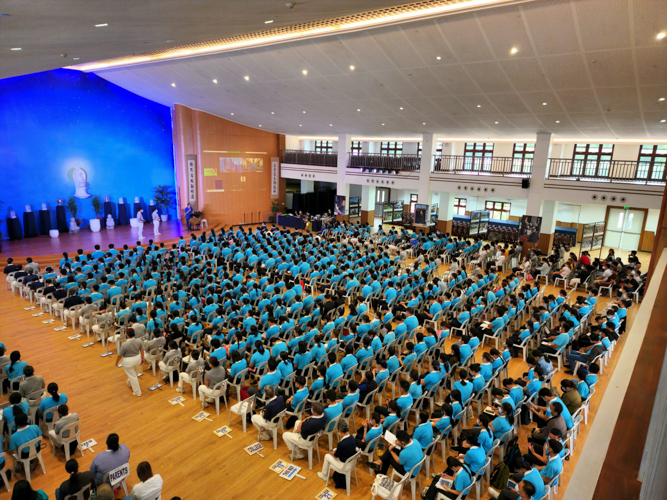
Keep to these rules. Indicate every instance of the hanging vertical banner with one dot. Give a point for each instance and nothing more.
(274, 177)
(191, 172)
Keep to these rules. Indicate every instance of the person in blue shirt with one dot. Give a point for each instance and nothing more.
(457, 472)
(299, 396)
(555, 464)
(351, 397)
(349, 361)
(463, 385)
(402, 461)
(285, 366)
(334, 371)
(24, 433)
(504, 422)
(368, 431)
(423, 433)
(334, 406)
(433, 377)
(442, 420)
(14, 369)
(238, 365)
(16, 407)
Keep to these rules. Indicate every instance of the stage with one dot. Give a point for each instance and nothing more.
(45, 246)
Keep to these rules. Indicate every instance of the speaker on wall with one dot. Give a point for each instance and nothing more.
(525, 183)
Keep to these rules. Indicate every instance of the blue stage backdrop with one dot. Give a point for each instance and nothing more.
(66, 133)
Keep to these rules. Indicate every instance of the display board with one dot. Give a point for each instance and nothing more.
(355, 207)
(479, 223)
(420, 214)
(392, 212)
(529, 229)
(433, 217)
(592, 236)
(339, 208)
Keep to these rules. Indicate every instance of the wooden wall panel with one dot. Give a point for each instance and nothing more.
(239, 196)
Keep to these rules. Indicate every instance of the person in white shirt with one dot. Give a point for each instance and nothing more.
(150, 486)
(140, 223)
(156, 222)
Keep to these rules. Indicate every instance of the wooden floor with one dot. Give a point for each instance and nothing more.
(194, 463)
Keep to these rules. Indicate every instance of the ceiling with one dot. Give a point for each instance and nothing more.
(46, 29)
(597, 65)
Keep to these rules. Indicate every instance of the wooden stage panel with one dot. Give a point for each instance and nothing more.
(86, 240)
(194, 463)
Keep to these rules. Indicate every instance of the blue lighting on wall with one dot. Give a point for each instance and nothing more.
(66, 133)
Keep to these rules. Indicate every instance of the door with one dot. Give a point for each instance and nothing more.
(381, 197)
(624, 228)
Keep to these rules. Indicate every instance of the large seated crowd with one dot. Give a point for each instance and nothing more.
(351, 334)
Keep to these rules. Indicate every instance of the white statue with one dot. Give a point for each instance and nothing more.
(110, 222)
(60, 202)
(12, 214)
(44, 206)
(106, 198)
(73, 228)
(28, 209)
(120, 201)
(136, 199)
(151, 202)
(80, 177)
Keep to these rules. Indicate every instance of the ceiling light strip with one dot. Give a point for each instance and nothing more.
(490, 139)
(427, 8)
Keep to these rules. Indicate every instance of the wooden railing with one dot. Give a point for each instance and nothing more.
(402, 163)
(303, 157)
(608, 171)
(484, 165)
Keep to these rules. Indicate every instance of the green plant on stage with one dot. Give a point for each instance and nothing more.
(72, 206)
(164, 197)
(97, 205)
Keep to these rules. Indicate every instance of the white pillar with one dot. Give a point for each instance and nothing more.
(549, 213)
(540, 161)
(307, 186)
(368, 198)
(342, 188)
(429, 147)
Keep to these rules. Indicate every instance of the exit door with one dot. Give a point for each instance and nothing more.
(624, 228)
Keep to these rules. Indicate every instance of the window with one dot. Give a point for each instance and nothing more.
(413, 202)
(460, 205)
(522, 157)
(478, 156)
(324, 147)
(592, 160)
(652, 161)
(356, 148)
(499, 209)
(392, 148)
(438, 151)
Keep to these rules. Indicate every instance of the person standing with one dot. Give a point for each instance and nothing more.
(188, 214)
(132, 355)
(156, 222)
(140, 223)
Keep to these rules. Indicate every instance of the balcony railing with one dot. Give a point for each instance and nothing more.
(607, 171)
(302, 157)
(484, 165)
(402, 163)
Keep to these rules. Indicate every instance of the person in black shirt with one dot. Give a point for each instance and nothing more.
(304, 429)
(347, 447)
(76, 481)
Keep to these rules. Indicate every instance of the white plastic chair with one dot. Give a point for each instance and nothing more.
(219, 391)
(68, 434)
(348, 467)
(369, 451)
(311, 443)
(276, 423)
(3, 473)
(82, 494)
(243, 408)
(32, 454)
(413, 479)
(105, 480)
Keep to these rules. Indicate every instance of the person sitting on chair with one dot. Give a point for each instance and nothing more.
(274, 405)
(347, 447)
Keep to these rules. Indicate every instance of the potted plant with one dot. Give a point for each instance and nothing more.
(275, 208)
(73, 207)
(164, 200)
(97, 208)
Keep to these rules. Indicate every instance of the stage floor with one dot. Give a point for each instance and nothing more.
(86, 240)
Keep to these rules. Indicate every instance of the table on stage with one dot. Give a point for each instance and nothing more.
(298, 222)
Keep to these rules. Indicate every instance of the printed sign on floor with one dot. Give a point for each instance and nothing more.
(88, 445)
(153, 387)
(178, 400)
(325, 494)
(278, 466)
(223, 431)
(254, 448)
(202, 415)
(290, 472)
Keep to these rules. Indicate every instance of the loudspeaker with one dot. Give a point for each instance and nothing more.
(525, 183)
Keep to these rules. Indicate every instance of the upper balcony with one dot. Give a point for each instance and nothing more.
(618, 171)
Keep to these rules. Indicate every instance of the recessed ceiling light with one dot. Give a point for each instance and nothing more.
(663, 121)
(16, 48)
(272, 113)
(479, 105)
(75, 59)
(661, 35)
(232, 114)
(330, 125)
(544, 104)
(514, 50)
(101, 25)
(268, 22)
(496, 123)
(173, 84)
(300, 125)
(304, 112)
(557, 121)
(246, 78)
(383, 124)
(661, 99)
(438, 58)
(358, 109)
(215, 80)
(424, 123)
(305, 71)
(352, 68)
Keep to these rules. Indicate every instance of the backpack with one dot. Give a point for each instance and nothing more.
(513, 458)
(500, 476)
